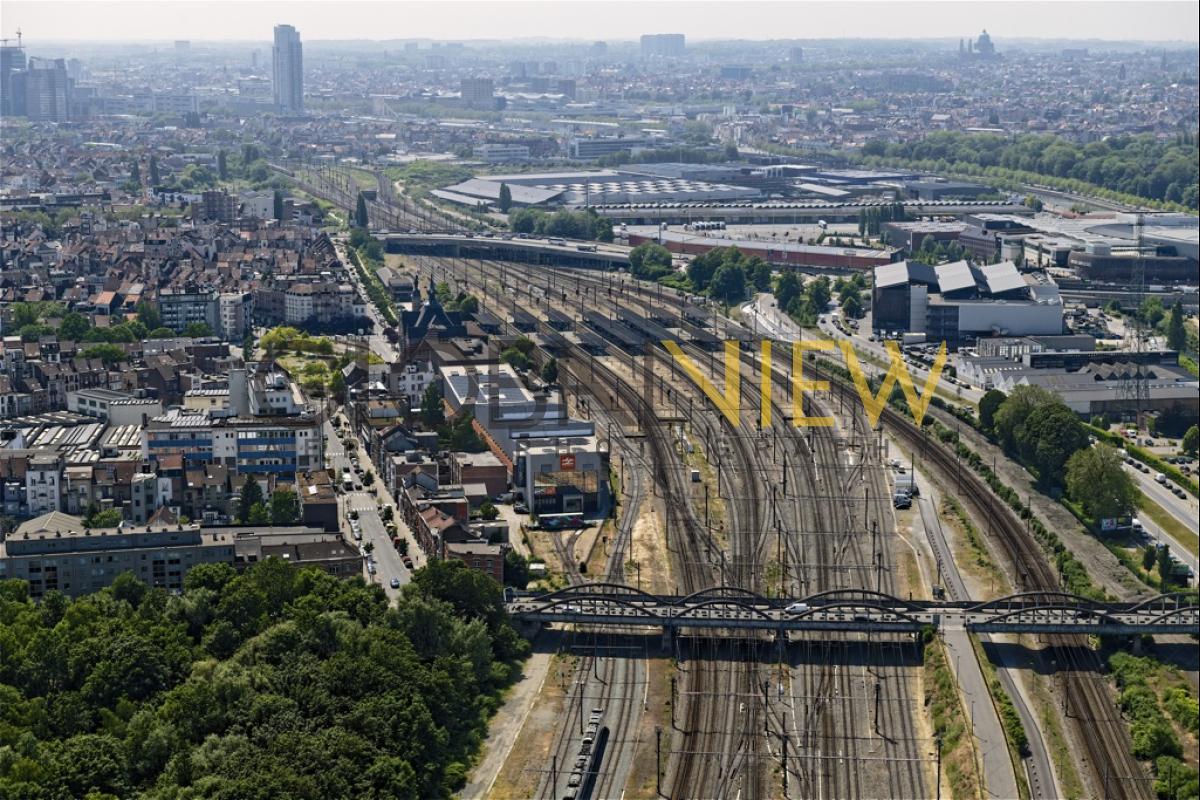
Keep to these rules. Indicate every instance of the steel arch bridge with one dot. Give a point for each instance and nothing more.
(855, 610)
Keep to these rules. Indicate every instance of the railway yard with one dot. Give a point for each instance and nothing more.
(734, 509)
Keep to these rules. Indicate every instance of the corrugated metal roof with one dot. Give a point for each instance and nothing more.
(954, 277)
(1002, 277)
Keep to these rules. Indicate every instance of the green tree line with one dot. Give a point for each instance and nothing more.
(277, 682)
(1119, 168)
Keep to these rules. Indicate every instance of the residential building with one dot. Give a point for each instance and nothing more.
(664, 45)
(119, 408)
(183, 306)
(235, 312)
(478, 93)
(481, 556)
(55, 552)
(219, 206)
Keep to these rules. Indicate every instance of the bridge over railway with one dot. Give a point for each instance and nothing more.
(856, 610)
(508, 247)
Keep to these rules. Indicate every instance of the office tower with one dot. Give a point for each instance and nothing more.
(288, 73)
(12, 60)
(670, 45)
(47, 90)
(478, 92)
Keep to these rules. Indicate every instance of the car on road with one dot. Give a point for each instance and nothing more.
(797, 608)
(521, 508)
(395, 583)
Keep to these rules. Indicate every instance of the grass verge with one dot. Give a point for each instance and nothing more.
(1014, 730)
(950, 721)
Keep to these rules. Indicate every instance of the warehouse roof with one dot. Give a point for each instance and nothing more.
(1002, 277)
(903, 272)
(954, 277)
(490, 190)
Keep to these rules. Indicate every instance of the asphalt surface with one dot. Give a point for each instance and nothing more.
(999, 779)
(1183, 510)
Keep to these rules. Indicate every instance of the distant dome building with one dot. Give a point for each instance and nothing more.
(981, 48)
(984, 45)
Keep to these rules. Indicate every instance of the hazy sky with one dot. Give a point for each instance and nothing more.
(230, 20)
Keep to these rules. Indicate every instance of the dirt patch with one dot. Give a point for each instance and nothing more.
(658, 714)
(648, 550)
(975, 562)
(947, 716)
(522, 770)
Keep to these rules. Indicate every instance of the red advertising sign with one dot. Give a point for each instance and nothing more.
(566, 462)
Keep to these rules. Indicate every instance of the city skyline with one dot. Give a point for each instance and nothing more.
(73, 20)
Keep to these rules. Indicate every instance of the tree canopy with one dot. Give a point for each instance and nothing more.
(650, 261)
(563, 223)
(1138, 166)
(1097, 481)
(278, 682)
(1035, 425)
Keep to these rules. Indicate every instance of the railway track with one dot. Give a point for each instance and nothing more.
(692, 767)
(1097, 725)
(817, 572)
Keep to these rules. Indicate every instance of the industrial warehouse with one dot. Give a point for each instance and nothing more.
(960, 301)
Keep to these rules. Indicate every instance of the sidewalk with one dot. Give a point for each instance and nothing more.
(998, 776)
(1042, 780)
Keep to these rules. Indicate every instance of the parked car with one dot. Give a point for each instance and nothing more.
(395, 583)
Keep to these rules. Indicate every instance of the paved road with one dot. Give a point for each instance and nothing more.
(378, 343)
(999, 778)
(1186, 511)
(387, 561)
(863, 343)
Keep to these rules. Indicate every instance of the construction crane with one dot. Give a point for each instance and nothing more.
(5, 40)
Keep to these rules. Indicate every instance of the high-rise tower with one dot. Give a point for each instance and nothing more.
(288, 71)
